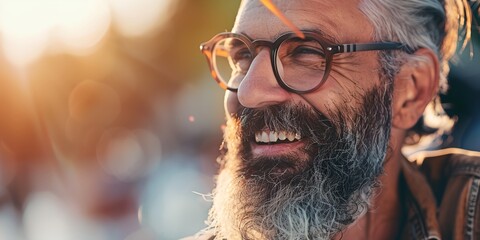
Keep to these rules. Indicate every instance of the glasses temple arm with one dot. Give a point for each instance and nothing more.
(353, 47)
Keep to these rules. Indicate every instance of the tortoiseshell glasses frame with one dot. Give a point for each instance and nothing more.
(328, 50)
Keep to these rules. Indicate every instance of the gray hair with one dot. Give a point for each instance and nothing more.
(432, 24)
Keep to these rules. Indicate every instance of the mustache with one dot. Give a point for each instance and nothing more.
(296, 118)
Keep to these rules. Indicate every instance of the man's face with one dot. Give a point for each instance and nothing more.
(340, 19)
(301, 166)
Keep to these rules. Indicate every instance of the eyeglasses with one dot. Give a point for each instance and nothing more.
(300, 65)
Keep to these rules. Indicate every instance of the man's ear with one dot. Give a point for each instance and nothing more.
(415, 86)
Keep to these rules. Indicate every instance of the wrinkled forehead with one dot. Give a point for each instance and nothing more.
(340, 19)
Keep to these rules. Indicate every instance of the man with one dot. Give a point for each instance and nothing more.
(317, 118)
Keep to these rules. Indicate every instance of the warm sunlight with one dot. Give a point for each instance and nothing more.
(29, 28)
(24, 27)
(135, 18)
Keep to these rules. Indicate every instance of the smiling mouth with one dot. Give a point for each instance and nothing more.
(278, 144)
(276, 137)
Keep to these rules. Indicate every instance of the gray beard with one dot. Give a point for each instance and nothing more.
(314, 198)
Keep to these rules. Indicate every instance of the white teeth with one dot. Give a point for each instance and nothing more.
(291, 136)
(297, 136)
(282, 135)
(264, 137)
(258, 135)
(273, 136)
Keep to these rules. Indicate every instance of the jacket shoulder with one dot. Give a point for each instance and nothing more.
(454, 175)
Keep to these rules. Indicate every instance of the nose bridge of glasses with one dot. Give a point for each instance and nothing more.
(258, 45)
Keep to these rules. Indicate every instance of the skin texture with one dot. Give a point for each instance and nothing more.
(352, 75)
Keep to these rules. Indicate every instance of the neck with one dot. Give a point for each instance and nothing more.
(383, 218)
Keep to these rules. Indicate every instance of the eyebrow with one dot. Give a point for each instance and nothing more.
(325, 36)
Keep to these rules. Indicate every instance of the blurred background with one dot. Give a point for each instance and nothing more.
(110, 122)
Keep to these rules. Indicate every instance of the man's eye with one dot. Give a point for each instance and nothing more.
(240, 60)
(242, 55)
(307, 50)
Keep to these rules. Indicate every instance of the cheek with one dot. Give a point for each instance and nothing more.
(326, 99)
(332, 101)
(231, 103)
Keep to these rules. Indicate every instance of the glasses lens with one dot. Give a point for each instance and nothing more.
(231, 59)
(301, 63)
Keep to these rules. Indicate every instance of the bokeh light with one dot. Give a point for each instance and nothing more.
(135, 18)
(57, 227)
(128, 154)
(25, 26)
(31, 27)
(93, 102)
(80, 25)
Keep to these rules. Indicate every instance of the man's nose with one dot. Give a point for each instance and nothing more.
(260, 88)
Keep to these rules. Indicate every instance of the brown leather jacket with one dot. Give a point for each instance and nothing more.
(442, 195)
